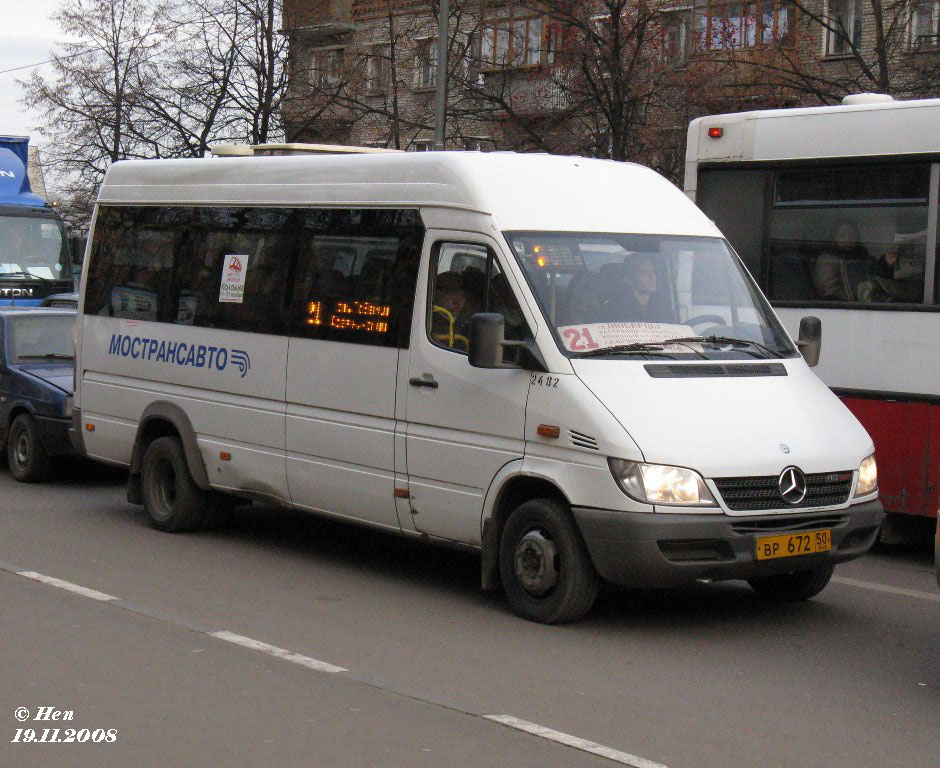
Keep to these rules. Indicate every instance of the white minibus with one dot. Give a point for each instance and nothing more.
(555, 361)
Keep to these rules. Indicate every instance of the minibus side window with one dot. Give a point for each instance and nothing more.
(167, 263)
(465, 279)
(356, 274)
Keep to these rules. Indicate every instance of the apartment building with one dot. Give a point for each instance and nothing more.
(615, 79)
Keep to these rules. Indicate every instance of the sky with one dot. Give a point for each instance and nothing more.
(27, 33)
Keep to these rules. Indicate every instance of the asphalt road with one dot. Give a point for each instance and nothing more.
(291, 641)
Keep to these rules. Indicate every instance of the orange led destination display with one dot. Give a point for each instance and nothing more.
(351, 315)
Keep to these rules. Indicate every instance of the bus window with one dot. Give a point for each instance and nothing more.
(837, 234)
(734, 200)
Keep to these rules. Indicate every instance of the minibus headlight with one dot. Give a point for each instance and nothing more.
(867, 477)
(661, 484)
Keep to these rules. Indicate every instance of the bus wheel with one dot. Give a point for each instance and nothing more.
(793, 587)
(172, 500)
(545, 568)
(26, 456)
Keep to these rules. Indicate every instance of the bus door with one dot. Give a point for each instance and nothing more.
(463, 423)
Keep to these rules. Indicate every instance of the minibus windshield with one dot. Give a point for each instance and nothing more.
(649, 296)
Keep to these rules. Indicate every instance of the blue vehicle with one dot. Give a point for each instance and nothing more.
(35, 257)
(36, 368)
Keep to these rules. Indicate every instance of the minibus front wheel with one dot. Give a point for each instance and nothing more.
(172, 499)
(545, 568)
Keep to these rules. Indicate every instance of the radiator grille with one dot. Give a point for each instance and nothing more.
(743, 494)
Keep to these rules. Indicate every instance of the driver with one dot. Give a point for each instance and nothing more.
(631, 294)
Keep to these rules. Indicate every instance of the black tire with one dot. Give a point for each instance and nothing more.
(172, 499)
(546, 571)
(26, 456)
(793, 587)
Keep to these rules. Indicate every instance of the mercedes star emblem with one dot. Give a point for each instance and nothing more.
(792, 485)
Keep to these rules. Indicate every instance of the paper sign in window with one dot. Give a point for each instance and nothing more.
(234, 272)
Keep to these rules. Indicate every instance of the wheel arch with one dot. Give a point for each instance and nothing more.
(511, 490)
(17, 408)
(165, 419)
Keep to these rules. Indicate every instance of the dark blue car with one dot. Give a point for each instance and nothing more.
(36, 364)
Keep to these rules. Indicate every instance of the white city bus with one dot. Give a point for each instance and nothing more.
(834, 212)
(555, 361)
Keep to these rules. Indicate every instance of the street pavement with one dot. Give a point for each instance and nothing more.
(288, 640)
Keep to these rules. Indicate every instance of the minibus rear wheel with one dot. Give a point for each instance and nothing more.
(546, 571)
(793, 587)
(172, 499)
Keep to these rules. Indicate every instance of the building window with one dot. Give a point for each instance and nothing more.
(326, 71)
(844, 27)
(509, 40)
(420, 146)
(925, 23)
(377, 69)
(676, 23)
(722, 25)
(426, 63)
(554, 38)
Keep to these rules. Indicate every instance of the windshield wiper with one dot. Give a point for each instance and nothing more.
(719, 340)
(639, 348)
(20, 273)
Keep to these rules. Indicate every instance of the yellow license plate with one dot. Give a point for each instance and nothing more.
(806, 543)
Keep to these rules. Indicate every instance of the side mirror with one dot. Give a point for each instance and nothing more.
(486, 340)
(810, 341)
(487, 343)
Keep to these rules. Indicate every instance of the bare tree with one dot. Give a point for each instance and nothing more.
(91, 110)
(259, 78)
(163, 79)
(606, 79)
(188, 105)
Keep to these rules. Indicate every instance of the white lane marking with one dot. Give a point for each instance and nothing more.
(573, 741)
(67, 586)
(918, 593)
(231, 637)
(280, 653)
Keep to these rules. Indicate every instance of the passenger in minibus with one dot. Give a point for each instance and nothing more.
(454, 305)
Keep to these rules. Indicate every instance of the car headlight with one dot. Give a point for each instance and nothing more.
(867, 477)
(661, 484)
(67, 408)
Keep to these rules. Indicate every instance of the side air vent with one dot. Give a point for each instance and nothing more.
(582, 441)
(695, 370)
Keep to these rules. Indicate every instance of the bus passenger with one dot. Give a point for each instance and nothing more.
(846, 255)
(452, 325)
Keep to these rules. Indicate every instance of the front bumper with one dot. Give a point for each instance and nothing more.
(662, 550)
(54, 434)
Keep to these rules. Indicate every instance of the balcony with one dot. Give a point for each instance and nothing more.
(531, 90)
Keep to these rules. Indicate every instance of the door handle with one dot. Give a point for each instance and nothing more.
(428, 382)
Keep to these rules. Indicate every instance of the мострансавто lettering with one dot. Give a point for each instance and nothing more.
(178, 352)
